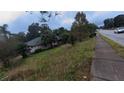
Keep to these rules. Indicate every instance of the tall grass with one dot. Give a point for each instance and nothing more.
(66, 62)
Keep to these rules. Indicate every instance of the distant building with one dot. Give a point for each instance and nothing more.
(34, 44)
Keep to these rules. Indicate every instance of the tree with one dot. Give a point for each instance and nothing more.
(8, 51)
(71, 39)
(22, 49)
(119, 20)
(5, 26)
(33, 31)
(109, 23)
(46, 15)
(9, 46)
(21, 36)
(78, 27)
(63, 34)
(47, 37)
(81, 28)
(80, 32)
(80, 18)
(91, 28)
(3, 29)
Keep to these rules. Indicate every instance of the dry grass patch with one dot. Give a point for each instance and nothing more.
(66, 62)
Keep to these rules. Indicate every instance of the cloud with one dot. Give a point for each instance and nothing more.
(97, 17)
(6, 17)
(61, 14)
(97, 14)
(67, 21)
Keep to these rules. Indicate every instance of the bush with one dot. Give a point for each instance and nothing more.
(8, 51)
(82, 32)
(71, 39)
(22, 50)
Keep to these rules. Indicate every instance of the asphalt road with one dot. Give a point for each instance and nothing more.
(119, 38)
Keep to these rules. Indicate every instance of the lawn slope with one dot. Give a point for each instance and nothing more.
(66, 62)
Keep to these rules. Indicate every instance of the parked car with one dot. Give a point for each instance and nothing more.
(119, 30)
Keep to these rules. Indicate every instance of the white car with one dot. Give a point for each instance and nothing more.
(119, 30)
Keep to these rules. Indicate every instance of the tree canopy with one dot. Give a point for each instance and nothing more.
(117, 21)
(81, 28)
(109, 23)
(33, 31)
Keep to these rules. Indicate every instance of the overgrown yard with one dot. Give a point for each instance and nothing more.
(66, 62)
(118, 48)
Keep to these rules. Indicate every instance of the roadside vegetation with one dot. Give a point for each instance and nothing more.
(118, 48)
(67, 55)
(66, 62)
(111, 23)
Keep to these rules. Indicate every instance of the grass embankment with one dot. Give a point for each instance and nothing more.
(117, 47)
(62, 63)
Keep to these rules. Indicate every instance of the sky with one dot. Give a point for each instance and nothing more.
(19, 21)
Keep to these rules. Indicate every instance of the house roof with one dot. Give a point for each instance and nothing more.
(37, 41)
(34, 42)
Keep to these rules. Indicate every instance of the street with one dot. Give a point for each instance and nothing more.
(119, 38)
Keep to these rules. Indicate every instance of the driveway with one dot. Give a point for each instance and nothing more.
(119, 38)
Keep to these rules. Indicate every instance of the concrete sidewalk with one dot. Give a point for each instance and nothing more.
(107, 65)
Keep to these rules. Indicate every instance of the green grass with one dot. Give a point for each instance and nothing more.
(117, 47)
(66, 62)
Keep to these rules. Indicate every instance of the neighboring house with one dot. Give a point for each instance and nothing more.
(34, 44)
